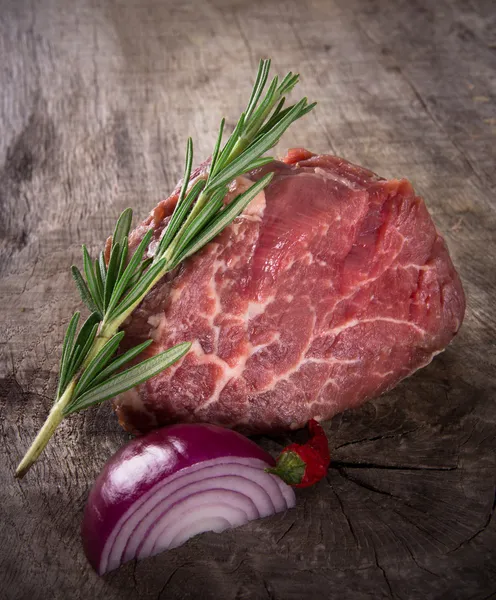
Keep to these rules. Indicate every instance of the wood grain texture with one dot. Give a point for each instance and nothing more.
(97, 100)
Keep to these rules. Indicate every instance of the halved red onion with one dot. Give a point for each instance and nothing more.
(161, 489)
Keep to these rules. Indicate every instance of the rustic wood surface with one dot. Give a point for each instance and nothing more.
(97, 98)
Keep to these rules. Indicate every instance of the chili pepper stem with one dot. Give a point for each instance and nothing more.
(302, 465)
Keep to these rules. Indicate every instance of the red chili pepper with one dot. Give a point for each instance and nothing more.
(302, 465)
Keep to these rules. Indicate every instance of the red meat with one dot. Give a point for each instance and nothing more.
(329, 289)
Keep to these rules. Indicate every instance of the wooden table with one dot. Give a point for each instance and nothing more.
(97, 100)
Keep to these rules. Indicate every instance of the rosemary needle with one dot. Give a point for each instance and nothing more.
(90, 369)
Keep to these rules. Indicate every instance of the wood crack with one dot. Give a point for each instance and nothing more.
(286, 532)
(376, 438)
(425, 532)
(133, 574)
(159, 595)
(402, 516)
(371, 465)
(384, 574)
(407, 548)
(237, 567)
(341, 505)
(270, 595)
(479, 531)
(366, 486)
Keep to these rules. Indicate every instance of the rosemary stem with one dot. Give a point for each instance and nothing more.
(197, 207)
(107, 330)
(105, 333)
(111, 327)
(53, 420)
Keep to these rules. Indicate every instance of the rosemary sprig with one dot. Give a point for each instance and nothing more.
(90, 372)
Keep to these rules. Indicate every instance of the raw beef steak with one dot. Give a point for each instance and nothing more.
(329, 289)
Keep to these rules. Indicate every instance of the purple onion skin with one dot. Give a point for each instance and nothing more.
(146, 460)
